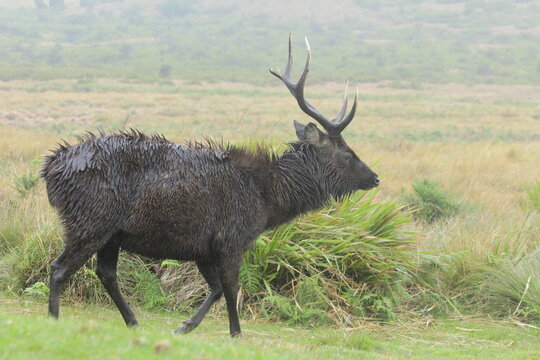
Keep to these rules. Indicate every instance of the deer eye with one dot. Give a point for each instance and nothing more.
(347, 158)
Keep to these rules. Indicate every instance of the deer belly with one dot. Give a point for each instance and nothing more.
(166, 246)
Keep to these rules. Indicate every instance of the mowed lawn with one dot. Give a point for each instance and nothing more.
(90, 332)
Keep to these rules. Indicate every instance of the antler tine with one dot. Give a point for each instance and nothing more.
(287, 73)
(302, 82)
(341, 113)
(333, 128)
(286, 77)
(343, 124)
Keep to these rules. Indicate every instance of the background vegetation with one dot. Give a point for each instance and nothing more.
(448, 116)
(407, 40)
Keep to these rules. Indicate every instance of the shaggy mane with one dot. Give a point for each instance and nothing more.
(131, 134)
(258, 158)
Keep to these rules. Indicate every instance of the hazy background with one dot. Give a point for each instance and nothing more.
(475, 41)
(448, 116)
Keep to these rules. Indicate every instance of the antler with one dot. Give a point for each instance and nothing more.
(333, 127)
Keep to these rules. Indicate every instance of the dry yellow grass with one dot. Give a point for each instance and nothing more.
(236, 111)
(482, 142)
(491, 175)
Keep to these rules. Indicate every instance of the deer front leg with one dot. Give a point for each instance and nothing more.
(228, 273)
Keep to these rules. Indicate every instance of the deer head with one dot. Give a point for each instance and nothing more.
(348, 172)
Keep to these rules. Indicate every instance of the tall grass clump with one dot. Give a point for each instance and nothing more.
(28, 262)
(513, 287)
(22, 216)
(431, 202)
(488, 259)
(353, 258)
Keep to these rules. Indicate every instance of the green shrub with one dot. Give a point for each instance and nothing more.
(431, 202)
(25, 183)
(353, 257)
(148, 289)
(165, 71)
(39, 289)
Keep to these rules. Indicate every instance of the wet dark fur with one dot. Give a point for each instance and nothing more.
(204, 202)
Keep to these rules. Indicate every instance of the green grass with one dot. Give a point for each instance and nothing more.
(431, 202)
(532, 198)
(86, 331)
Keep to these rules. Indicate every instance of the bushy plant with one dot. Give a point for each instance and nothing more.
(148, 289)
(39, 289)
(165, 71)
(317, 262)
(23, 184)
(431, 202)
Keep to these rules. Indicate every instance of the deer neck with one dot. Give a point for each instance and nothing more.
(293, 187)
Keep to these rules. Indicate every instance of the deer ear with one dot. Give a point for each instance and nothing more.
(309, 133)
(299, 130)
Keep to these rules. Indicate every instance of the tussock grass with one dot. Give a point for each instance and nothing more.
(431, 202)
(352, 258)
(486, 260)
(513, 288)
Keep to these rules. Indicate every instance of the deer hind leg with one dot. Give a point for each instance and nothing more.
(210, 274)
(107, 260)
(65, 265)
(77, 251)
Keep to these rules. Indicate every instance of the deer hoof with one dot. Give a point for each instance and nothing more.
(185, 328)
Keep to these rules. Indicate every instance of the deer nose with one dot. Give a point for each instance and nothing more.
(376, 180)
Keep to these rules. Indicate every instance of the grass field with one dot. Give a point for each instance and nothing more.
(97, 333)
(480, 143)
